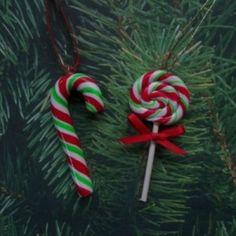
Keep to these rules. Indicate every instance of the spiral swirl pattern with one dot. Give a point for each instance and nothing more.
(60, 94)
(160, 97)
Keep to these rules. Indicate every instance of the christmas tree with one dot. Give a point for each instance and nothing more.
(119, 41)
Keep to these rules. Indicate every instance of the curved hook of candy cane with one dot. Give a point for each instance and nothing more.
(60, 94)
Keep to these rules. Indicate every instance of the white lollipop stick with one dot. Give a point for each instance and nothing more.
(148, 172)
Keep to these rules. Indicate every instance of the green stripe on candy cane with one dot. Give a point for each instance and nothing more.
(91, 90)
(71, 80)
(73, 148)
(57, 98)
(63, 125)
(83, 179)
(91, 108)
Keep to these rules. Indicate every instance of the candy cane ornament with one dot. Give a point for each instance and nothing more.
(162, 98)
(59, 99)
(60, 94)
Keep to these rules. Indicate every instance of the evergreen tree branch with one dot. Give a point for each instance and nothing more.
(223, 144)
(119, 42)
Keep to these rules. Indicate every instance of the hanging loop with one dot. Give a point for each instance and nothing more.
(67, 68)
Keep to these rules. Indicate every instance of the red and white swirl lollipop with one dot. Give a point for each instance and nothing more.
(159, 97)
(162, 98)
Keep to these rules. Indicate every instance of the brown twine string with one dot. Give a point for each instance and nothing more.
(67, 68)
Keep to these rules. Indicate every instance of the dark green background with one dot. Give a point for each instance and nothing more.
(118, 41)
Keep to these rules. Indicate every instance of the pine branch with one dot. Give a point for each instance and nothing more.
(125, 67)
(218, 229)
(11, 50)
(223, 144)
(125, 70)
(223, 114)
(117, 46)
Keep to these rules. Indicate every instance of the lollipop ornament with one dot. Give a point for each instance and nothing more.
(162, 98)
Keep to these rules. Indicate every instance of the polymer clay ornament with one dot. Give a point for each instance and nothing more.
(60, 95)
(162, 98)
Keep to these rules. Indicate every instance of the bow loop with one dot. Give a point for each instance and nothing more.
(161, 138)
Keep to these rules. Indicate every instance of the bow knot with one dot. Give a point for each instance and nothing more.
(162, 138)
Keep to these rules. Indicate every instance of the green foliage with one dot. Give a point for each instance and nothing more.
(19, 28)
(119, 41)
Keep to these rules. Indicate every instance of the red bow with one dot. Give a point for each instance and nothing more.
(159, 138)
